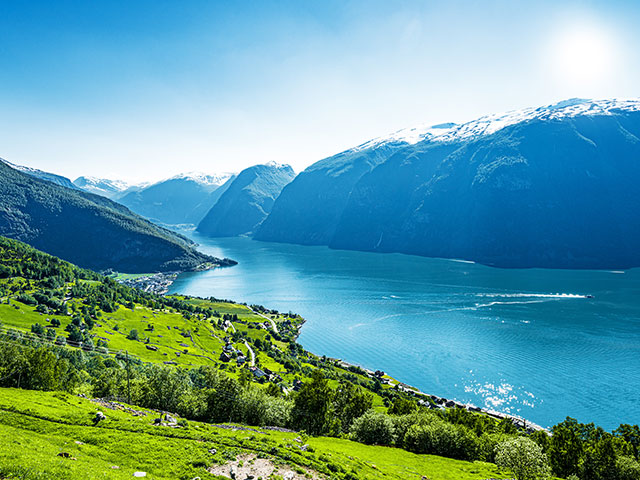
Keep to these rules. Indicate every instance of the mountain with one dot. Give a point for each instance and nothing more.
(87, 229)
(49, 177)
(247, 201)
(102, 186)
(183, 199)
(309, 208)
(553, 187)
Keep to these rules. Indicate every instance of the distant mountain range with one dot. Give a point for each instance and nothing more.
(555, 186)
(49, 177)
(112, 189)
(247, 201)
(183, 199)
(88, 229)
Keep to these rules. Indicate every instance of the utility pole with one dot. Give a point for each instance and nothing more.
(128, 381)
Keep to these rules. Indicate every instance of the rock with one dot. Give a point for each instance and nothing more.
(140, 474)
(79, 442)
(289, 476)
(98, 418)
(64, 455)
(213, 451)
(249, 477)
(233, 472)
(170, 419)
(157, 421)
(115, 467)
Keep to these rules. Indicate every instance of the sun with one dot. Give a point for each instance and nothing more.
(584, 55)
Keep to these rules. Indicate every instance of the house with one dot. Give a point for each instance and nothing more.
(241, 359)
(257, 373)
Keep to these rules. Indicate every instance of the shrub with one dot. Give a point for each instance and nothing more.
(524, 458)
(444, 439)
(373, 428)
(133, 334)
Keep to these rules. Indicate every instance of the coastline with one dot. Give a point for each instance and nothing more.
(160, 283)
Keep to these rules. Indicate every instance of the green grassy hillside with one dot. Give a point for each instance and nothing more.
(37, 427)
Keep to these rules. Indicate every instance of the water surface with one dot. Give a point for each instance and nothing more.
(527, 342)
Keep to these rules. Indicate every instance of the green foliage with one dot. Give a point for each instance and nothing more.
(373, 428)
(441, 438)
(133, 335)
(312, 406)
(524, 458)
(86, 229)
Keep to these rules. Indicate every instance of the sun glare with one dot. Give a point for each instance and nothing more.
(584, 55)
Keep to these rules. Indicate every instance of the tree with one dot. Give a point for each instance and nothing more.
(524, 458)
(37, 329)
(402, 406)
(351, 402)
(373, 428)
(312, 406)
(565, 449)
(630, 433)
(133, 335)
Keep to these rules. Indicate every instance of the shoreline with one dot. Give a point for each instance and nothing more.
(160, 283)
(442, 402)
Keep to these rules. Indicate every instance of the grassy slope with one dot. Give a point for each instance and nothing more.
(36, 426)
(203, 347)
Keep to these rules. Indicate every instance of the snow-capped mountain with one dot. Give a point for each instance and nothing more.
(490, 124)
(555, 186)
(182, 199)
(49, 177)
(214, 180)
(101, 186)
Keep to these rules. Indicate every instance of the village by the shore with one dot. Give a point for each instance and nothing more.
(160, 283)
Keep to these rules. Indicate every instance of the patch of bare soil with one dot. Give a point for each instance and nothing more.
(251, 467)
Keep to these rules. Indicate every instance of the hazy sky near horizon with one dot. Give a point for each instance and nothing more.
(144, 90)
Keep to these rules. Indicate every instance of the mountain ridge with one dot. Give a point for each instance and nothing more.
(494, 190)
(89, 230)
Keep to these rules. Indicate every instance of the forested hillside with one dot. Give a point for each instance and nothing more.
(87, 229)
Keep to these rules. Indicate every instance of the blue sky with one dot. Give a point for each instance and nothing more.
(142, 90)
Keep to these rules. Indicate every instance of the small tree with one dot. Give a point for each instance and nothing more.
(373, 428)
(133, 335)
(524, 458)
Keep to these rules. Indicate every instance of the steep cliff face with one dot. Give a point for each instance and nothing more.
(87, 229)
(554, 186)
(309, 208)
(559, 193)
(246, 201)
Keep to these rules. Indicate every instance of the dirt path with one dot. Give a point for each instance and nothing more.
(273, 324)
(252, 363)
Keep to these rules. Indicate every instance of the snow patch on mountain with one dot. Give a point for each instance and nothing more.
(202, 178)
(489, 124)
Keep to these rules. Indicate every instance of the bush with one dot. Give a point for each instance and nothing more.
(444, 439)
(133, 334)
(402, 424)
(524, 458)
(628, 468)
(373, 428)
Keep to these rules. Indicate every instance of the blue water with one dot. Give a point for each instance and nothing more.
(526, 342)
